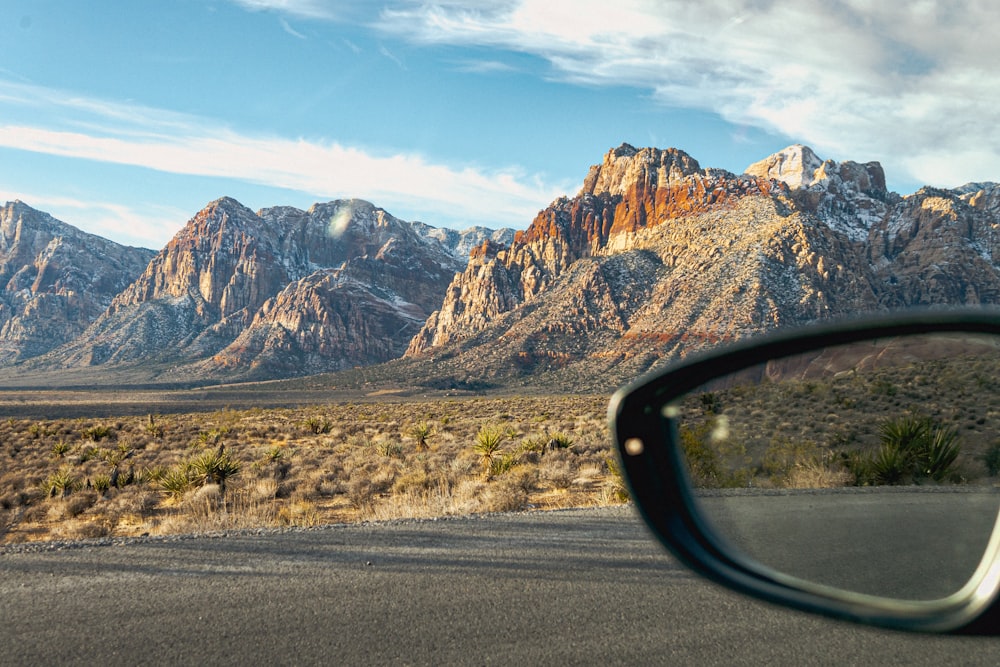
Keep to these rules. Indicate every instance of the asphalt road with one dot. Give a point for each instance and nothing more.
(571, 587)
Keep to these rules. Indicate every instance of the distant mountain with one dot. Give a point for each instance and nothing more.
(54, 280)
(655, 257)
(238, 294)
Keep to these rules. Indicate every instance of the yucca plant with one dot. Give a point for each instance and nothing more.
(560, 441)
(890, 465)
(500, 464)
(215, 467)
(97, 433)
(318, 425)
(422, 432)
(177, 480)
(101, 483)
(60, 484)
(489, 439)
(941, 454)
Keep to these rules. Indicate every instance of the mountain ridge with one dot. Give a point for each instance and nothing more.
(652, 258)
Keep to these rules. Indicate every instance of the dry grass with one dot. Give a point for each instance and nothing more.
(229, 469)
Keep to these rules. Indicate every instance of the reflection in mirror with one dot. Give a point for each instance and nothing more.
(867, 467)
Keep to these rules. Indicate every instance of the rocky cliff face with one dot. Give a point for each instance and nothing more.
(277, 292)
(656, 256)
(54, 280)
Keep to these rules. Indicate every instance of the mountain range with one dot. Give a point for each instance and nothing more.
(653, 257)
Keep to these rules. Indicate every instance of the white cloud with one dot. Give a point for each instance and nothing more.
(909, 84)
(150, 227)
(290, 30)
(310, 9)
(175, 143)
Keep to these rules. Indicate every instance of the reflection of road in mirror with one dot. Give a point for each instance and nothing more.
(915, 543)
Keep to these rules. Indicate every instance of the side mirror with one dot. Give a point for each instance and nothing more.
(849, 470)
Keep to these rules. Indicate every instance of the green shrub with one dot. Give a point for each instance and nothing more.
(702, 460)
(102, 483)
(215, 467)
(502, 463)
(60, 484)
(318, 425)
(991, 459)
(560, 441)
(422, 432)
(911, 448)
(177, 480)
(489, 440)
(97, 433)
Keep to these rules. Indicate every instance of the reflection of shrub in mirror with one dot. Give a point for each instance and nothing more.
(714, 460)
(911, 449)
(902, 411)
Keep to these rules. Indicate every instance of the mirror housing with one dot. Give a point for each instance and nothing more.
(655, 470)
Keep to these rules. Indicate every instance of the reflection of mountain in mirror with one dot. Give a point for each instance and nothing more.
(869, 467)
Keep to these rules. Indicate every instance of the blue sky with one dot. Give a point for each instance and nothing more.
(126, 118)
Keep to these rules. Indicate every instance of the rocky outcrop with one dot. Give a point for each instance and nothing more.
(655, 257)
(54, 280)
(631, 191)
(277, 292)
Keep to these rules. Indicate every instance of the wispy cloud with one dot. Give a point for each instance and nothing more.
(909, 84)
(311, 9)
(179, 144)
(290, 30)
(148, 227)
(391, 56)
(484, 67)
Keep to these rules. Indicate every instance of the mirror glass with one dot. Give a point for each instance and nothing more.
(870, 467)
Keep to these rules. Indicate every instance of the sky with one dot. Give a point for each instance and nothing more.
(124, 118)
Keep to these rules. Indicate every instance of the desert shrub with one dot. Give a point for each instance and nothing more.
(87, 530)
(559, 440)
(60, 483)
(318, 425)
(991, 459)
(616, 489)
(784, 455)
(389, 448)
(504, 497)
(702, 461)
(102, 483)
(489, 440)
(97, 433)
(60, 449)
(502, 463)
(360, 492)
(215, 467)
(533, 444)
(421, 433)
(299, 513)
(910, 448)
(178, 480)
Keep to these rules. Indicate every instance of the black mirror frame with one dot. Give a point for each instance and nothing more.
(659, 488)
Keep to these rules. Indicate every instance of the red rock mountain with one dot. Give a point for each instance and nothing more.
(656, 256)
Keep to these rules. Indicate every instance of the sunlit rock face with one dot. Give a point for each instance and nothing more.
(276, 292)
(55, 280)
(657, 256)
